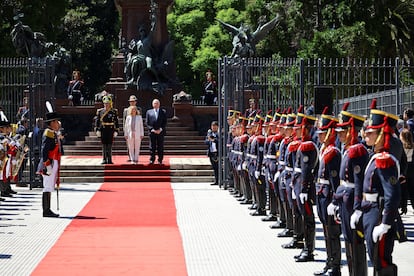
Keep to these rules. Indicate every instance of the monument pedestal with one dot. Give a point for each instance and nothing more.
(144, 98)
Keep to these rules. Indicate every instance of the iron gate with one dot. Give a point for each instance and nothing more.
(283, 82)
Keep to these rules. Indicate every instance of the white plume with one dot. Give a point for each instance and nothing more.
(49, 107)
(3, 116)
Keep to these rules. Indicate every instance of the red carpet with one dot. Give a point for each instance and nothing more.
(126, 229)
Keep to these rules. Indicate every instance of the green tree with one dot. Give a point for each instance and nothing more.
(91, 33)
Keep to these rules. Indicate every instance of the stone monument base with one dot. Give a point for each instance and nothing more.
(121, 96)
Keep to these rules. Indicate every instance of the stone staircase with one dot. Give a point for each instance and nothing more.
(181, 141)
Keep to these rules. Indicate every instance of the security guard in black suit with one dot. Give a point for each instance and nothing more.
(107, 127)
(326, 183)
(381, 192)
(345, 201)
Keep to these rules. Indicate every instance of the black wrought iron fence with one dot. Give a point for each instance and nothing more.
(33, 79)
(283, 82)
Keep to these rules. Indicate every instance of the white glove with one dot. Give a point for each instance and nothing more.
(239, 167)
(276, 176)
(331, 209)
(293, 194)
(49, 170)
(244, 165)
(379, 231)
(303, 197)
(355, 217)
(115, 134)
(98, 133)
(257, 174)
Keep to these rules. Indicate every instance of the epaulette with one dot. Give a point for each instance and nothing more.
(293, 146)
(261, 139)
(307, 146)
(329, 153)
(384, 160)
(357, 150)
(278, 137)
(269, 139)
(49, 133)
(244, 138)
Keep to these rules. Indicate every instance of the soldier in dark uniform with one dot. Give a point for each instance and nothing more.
(285, 170)
(230, 182)
(107, 128)
(279, 119)
(255, 168)
(270, 151)
(326, 183)
(304, 184)
(351, 174)
(51, 160)
(244, 161)
(381, 192)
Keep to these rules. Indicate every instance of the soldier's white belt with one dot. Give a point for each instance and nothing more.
(298, 170)
(347, 184)
(323, 181)
(282, 163)
(107, 124)
(289, 169)
(370, 197)
(251, 156)
(270, 156)
(237, 152)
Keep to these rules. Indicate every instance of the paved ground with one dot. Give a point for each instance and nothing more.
(219, 235)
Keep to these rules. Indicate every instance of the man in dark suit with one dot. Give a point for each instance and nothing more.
(156, 121)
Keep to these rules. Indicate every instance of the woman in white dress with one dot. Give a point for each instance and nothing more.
(134, 132)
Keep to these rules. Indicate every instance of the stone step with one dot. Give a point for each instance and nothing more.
(167, 138)
(123, 146)
(144, 142)
(98, 152)
(169, 133)
(174, 179)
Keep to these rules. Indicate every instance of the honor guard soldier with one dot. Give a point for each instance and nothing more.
(51, 159)
(327, 182)
(243, 171)
(236, 157)
(304, 184)
(351, 174)
(279, 119)
(271, 149)
(10, 152)
(251, 159)
(232, 117)
(285, 170)
(381, 193)
(258, 179)
(107, 128)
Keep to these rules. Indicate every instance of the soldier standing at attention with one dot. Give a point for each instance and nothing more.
(326, 184)
(351, 174)
(51, 159)
(381, 193)
(304, 184)
(107, 128)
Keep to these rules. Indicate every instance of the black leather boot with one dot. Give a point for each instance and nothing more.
(46, 206)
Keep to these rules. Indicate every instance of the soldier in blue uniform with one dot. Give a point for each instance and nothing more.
(285, 170)
(107, 128)
(255, 169)
(306, 160)
(381, 192)
(244, 162)
(326, 183)
(271, 150)
(354, 160)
